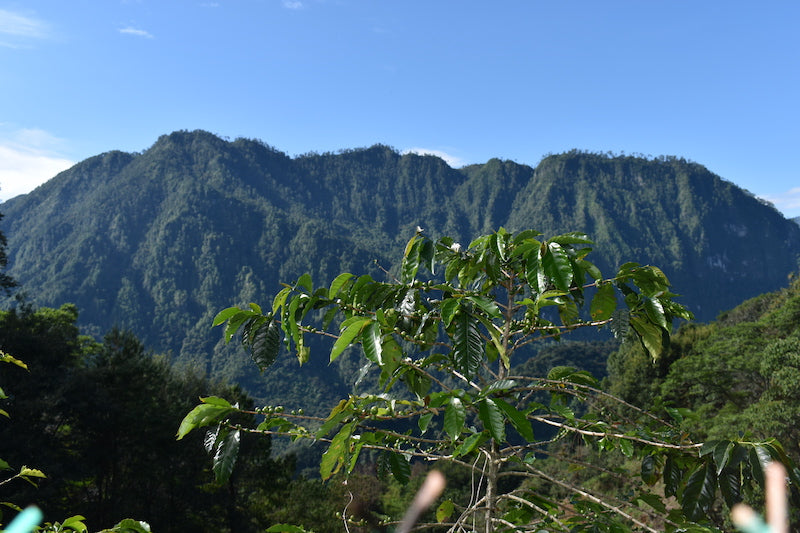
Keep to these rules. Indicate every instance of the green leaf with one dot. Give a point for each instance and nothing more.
(485, 305)
(470, 443)
(672, 477)
(574, 237)
(372, 343)
(492, 419)
(401, 468)
(649, 470)
(287, 528)
(224, 315)
(338, 283)
(203, 415)
(448, 310)
(557, 266)
(518, 420)
(653, 501)
(698, 494)
(468, 346)
(352, 329)
(445, 511)
(730, 485)
(75, 523)
(31, 472)
(655, 312)
(604, 302)
(424, 421)
(410, 264)
(455, 415)
(336, 454)
(265, 345)
(650, 335)
(227, 450)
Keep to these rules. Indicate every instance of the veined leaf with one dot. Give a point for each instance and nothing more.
(650, 335)
(698, 494)
(448, 310)
(455, 414)
(492, 419)
(470, 443)
(305, 282)
(224, 315)
(604, 302)
(203, 415)
(265, 344)
(557, 267)
(349, 333)
(371, 342)
(336, 454)
(338, 283)
(401, 468)
(410, 264)
(518, 420)
(227, 450)
(655, 312)
(468, 346)
(485, 305)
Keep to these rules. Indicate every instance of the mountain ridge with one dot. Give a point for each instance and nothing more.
(159, 241)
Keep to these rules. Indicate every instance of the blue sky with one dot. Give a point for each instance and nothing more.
(715, 82)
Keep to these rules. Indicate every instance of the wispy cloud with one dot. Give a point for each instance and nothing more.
(451, 160)
(292, 4)
(28, 158)
(785, 201)
(137, 32)
(16, 29)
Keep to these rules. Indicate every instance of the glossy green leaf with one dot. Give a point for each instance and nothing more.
(557, 266)
(225, 455)
(448, 310)
(203, 415)
(486, 305)
(224, 315)
(305, 282)
(655, 312)
(470, 444)
(400, 466)
(650, 335)
(730, 484)
(604, 302)
(492, 418)
(455, 414)
(698, 494)
(338, 283)
(468, 345)
(265, 344)
(371, 342)
(352, 329)
(518, 420)
(336, 454)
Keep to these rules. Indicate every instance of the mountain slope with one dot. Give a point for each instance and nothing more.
(158, 242)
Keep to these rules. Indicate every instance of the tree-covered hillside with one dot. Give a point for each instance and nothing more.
(158, 242)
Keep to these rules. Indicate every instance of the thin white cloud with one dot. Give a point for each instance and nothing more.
(137, 32)
(28, 159)
(19, 25)
(17, 30)
(785, 201)
(451, 160)
(292, 4)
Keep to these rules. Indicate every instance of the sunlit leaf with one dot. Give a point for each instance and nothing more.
(454, 417)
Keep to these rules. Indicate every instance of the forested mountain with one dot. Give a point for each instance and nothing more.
(158, 242)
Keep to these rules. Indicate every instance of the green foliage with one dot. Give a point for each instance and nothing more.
(158, 242)
(459, 335)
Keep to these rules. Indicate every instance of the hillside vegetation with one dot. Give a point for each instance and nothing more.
(158, 242)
